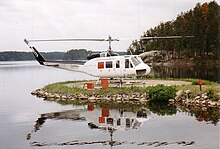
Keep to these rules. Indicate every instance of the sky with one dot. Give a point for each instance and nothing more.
(125, 20)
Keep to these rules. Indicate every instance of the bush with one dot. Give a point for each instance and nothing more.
(162, 93)
(212, 95)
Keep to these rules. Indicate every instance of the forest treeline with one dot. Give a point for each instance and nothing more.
(74, 54)
(202, 22)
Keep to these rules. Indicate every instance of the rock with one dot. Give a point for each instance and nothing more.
(72, 99)
(188, 92)
(118, 99)
(204, 96)
(63, 97)
(92, 100)
(56, 96)
(187, 101)
(107, 98)
(134, 99)
(33, 92)
(143, 100)
(197, 97)
(171, 100)
(179, 95)
(203, 102)
(212, 104)
(51, 96)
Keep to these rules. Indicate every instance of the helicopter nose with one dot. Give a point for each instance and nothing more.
(143, 70)
(148, 69)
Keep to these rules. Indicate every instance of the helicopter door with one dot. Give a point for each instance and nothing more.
(128, 68)
(117, 68)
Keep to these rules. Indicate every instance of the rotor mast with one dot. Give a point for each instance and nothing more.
(110, 42)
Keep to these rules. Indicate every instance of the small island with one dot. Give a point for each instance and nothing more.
(185, 92)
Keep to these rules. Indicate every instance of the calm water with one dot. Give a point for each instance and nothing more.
(211, 73)
(30, 122)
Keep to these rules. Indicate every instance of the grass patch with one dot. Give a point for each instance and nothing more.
(212, 88)
(62, 88)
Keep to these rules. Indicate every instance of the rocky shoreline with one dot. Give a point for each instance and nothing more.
(182, 98)
(185, 98)
(134, 98)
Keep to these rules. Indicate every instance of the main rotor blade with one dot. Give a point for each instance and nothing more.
(67, 39)
(167, 37)
(70, 39)
(111, 40)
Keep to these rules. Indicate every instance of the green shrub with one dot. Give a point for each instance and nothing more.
(162, 93)
(211, 94)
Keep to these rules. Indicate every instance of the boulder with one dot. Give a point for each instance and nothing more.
(171, 100)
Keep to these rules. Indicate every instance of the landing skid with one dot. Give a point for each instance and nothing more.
(120, 83)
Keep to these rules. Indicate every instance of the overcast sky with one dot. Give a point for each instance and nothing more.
(46, 19)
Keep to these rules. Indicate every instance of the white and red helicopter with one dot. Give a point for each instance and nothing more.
(103, 65)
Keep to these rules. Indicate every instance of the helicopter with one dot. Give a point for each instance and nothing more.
(106, 64)
(102, 65)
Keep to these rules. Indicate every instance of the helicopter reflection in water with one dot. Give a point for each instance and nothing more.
(105, 119)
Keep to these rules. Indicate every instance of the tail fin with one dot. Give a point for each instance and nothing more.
(37, 55)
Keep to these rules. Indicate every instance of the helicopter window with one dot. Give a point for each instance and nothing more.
(135, 61)
(117, 64)
(126, 63)
(128, 123)
(108, 64)
(100, 65)
(131, 66)
(110, 121)
(119, 122)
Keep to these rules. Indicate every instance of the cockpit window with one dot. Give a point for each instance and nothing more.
(128, 64)
(131, 65)
(135, 61)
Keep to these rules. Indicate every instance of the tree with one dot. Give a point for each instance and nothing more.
(202, 22)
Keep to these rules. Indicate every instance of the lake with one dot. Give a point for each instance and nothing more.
(211, 73)
(30, 122)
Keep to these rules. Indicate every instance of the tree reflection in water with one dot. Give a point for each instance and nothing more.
(162, 108)
(203, 114)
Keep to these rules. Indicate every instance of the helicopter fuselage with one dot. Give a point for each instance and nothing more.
(116, 67)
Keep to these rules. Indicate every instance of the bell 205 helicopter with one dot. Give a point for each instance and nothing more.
(103, 65)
